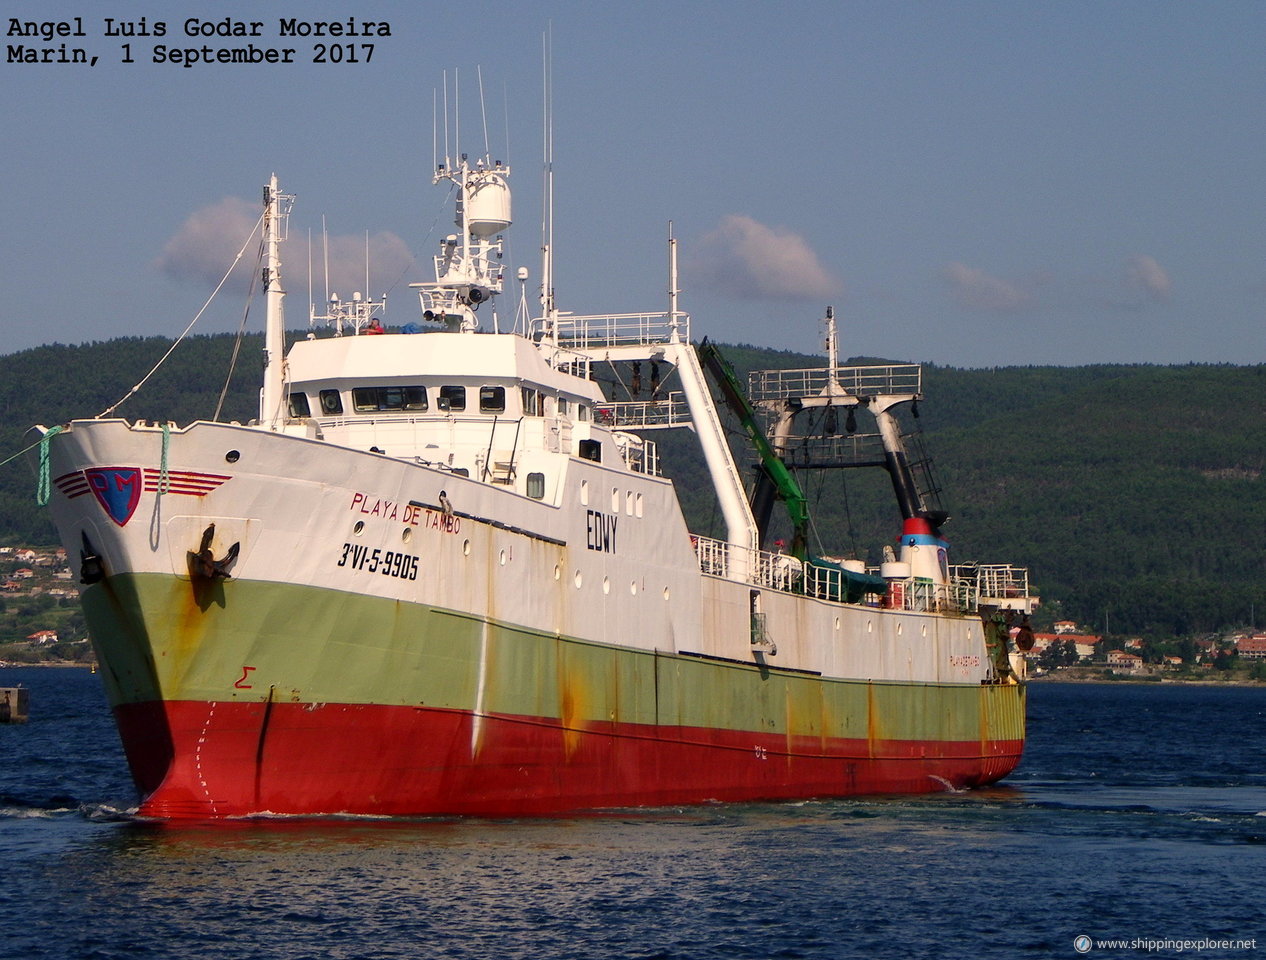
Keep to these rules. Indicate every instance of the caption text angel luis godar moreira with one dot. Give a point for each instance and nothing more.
(329, 41)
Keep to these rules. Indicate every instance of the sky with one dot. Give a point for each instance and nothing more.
(970, 183)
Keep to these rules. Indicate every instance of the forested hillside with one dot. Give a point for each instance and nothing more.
(1135, 494)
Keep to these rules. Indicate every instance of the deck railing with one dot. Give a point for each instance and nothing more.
(640, 455)
(671, 411)
(969, 586)
(870, 381)
(616, 329)
(998, 584)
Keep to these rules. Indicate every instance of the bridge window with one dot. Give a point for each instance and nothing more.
(492, 399)
(453, 398)
(299, 405)
(372, 399)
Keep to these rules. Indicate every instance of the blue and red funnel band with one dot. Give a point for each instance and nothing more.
(916, 531)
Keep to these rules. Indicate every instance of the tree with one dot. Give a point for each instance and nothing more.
(1226, 659)
(1060, 653)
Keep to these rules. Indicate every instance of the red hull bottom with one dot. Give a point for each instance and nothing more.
(210, 760)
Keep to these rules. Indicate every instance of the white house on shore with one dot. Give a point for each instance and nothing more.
(1084, 642)
(1120, 661)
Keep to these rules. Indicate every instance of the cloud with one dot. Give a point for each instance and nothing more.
(745, 259)
(201, 250)
(1146, 279)
(977, 290)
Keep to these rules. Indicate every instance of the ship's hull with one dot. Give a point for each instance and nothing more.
(211, 760)
(475, 717)
(372, 654)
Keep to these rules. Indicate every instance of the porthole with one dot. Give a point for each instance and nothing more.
(407, 535)
(465, 548)
(232, 456)
(615, 500)
(837, 623)
(584, 493)
(667, 593)
(637, 506)
(924, 630)
(359, 527)
(899, 628)
(628, 503)
(501, 558)
(870, 626)
(558, 572)
(633, 588)
(331, 402)
(606, 584)
(580, 579)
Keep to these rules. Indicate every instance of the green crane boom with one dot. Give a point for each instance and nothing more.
(784, 481)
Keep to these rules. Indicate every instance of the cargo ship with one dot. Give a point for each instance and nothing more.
(444, 574)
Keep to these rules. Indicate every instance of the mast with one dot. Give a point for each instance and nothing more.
(832, 354)
(549, 310)
(673, 289)
(272, 396)
(468, 269)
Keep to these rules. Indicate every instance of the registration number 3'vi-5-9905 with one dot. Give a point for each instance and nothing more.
(389, 563)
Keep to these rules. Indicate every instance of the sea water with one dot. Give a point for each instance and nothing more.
(1137, 821)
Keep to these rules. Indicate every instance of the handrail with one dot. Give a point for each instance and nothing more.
(968, 588)
(671, 411)
(904, 379)
(585, 332)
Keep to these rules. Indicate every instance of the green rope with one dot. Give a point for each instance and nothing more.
(164, 485)
(43, 489)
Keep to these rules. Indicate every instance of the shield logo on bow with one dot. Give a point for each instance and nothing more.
(117, 489)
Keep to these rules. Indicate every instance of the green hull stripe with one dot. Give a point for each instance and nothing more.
(159, 638)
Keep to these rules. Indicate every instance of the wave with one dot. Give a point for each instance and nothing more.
(55, 808)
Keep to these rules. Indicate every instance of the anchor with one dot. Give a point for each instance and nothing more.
(91, 569)
(204, 566)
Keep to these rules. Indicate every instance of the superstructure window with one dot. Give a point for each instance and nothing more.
(453, 398)
(331, 402)
(373, 399)
(533, 402)
(299, 405)
(536, 486)
(492, 399)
